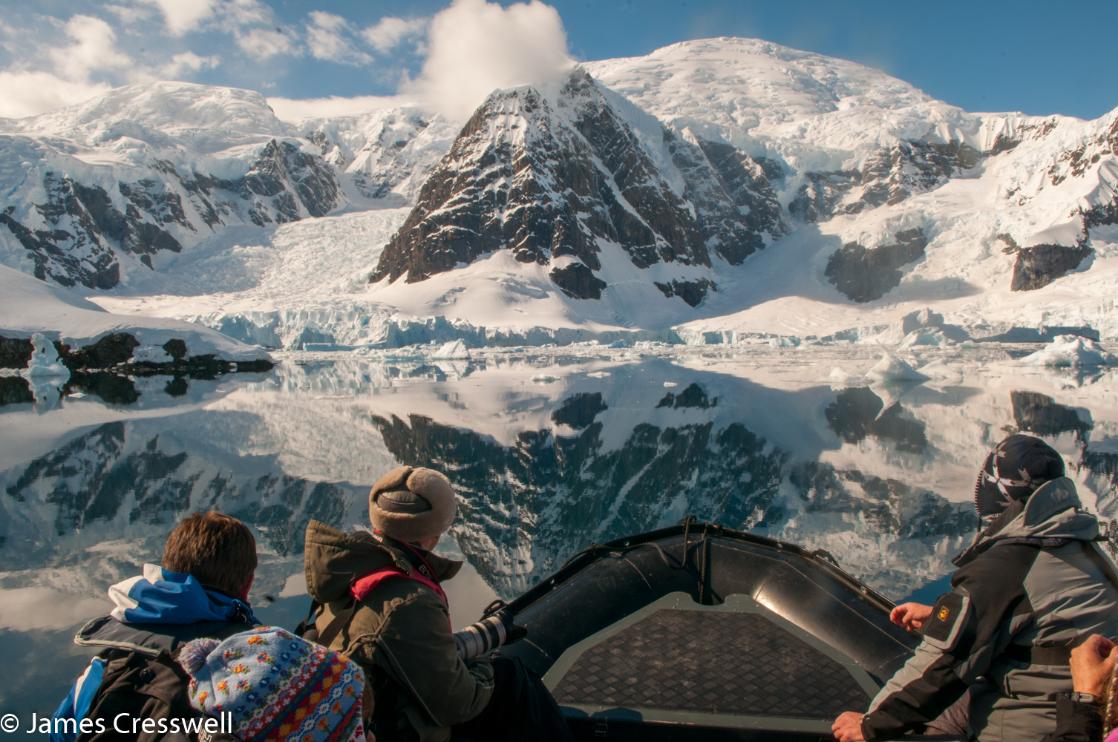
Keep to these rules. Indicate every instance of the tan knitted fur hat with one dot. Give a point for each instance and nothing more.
(412, 504)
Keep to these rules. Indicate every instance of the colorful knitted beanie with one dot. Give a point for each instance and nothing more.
(276, 686)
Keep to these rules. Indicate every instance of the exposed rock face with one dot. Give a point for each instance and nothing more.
(80, 231)
(291, 178)
(66, 257)
(1075, 162)
(1101, 215)
(887, 178)
(15, 352)
(577, 281)
(113, 352)
(821, 194)
(1040, 265)
(386, 154)
(546, 179)
(723, 184)
(692, 292)
(865, 275)
(693, 397)
(748, 181)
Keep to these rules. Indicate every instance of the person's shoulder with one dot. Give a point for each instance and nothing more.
(402, 595)
(1000, 565)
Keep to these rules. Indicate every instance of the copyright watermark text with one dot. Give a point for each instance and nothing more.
(120, 724)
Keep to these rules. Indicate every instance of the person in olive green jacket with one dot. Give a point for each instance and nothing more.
(383, 606)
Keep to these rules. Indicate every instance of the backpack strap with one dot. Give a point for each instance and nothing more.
(306, 627)
(365, 585)
(341, 620)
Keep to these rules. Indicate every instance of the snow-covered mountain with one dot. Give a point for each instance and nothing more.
(711, 191)
(568, 185)
(145, 171)
(386, 153)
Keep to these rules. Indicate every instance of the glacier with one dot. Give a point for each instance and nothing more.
(831, 201)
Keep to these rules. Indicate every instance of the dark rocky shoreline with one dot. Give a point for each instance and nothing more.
(113, 353)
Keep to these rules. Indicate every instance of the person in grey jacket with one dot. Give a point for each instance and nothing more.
(1028, 588)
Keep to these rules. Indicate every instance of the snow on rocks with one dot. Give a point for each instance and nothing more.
(801, 120)
(1071, 351)
(35, 308)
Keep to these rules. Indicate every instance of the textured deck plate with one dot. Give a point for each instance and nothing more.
(736, 664)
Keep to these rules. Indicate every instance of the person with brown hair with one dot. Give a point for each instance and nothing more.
(201, 590)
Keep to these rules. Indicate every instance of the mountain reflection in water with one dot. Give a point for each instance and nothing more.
(549, 455)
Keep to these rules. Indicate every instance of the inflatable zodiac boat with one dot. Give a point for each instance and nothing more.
(698, 632)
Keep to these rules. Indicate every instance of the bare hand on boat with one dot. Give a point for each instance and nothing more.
(1091, 664)
(848, 727)
(911, 616)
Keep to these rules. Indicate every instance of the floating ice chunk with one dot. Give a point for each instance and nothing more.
(842, 377)
(150, 354)
(927, 337)
(455, 350)
(670, 384)
(1071, 351)
(891, 368)
(45, 363)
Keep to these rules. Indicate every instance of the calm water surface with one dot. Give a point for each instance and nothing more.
(548, 453)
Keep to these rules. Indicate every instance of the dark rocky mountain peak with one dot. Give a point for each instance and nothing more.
(564, 174)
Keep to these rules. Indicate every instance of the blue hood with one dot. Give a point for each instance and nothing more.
(160, 596)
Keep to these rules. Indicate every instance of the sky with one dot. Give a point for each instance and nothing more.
(982, 55)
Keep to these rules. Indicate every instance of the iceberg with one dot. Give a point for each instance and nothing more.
(892, 368)
(1071, 351)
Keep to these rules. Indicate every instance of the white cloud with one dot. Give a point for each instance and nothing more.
(30, 93)
(265, 43)
(93, 49)
(329, 39)
(129, 14)
(185, 62)
(389, 32)
(295, 110)
(477, 46)
(182, 16)
(248, 12)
